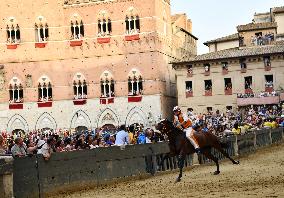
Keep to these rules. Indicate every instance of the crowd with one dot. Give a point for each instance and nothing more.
(46, 142)
(239, 122)
(259, 95)
(228, 123)
(267, 39)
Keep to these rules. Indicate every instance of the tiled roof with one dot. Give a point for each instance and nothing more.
(239, 52)
(225, 38)
(278, 9)
(256, 26)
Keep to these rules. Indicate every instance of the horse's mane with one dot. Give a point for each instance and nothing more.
(175, 130)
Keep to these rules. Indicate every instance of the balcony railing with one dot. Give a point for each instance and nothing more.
(135, 98)
(75, 43)
(188, 94)
(19, 105)
(228, 91)
(263, 98)
(41, 104)
(208, 92)
(80, 101)
(106, 100)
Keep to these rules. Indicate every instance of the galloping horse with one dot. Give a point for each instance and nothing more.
(180, 145)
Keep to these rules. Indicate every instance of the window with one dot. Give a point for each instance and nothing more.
(241, 41)
(267, 62)
(189, 69)
(228, 83)
(104, 27)
(135, 83)
(225, 66)
(44, 90)
(268, 81)
(16, 91)
(80, 88)
(208, 85)
(188, 86)
(209, 109)
(207, 67)
(107, 85)
(229, 108)
(248, 82)
(41, 30)
(13, 32)
(77, 27)
(132, 24)
(243, 65)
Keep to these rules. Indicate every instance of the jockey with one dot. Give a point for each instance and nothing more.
(182, 122)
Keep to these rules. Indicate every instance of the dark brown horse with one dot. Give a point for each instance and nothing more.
(180, 145)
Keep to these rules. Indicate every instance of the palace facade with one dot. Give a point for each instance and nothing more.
(242, 69)
(89, 63)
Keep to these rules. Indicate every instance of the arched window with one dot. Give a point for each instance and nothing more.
(135, 83)
(16, 91)
(13, 31)
(107, 85)
(104, 24)
(77, 27)
(41, 30)
(44, 89)
(80, 87)
(132, 21)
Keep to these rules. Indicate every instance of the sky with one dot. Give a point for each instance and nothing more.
(217, 18)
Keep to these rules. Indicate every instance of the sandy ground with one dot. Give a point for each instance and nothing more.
(259, 175)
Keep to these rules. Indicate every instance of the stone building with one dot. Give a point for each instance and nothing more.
(250, 61)
(89, 63)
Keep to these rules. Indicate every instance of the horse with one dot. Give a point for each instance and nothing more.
(180, 146)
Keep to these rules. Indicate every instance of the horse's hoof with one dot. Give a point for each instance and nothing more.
(178, 180)
(237, 162)
(216, 172)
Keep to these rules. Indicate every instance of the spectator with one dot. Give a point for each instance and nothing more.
(122, 137)
(20, 148)
(2, 145)
(47, 147)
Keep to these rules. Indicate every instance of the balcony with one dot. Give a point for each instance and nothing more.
(12, 45)
(258, 101)
(105, 100)
(102, 40)
(228, 91)
(269, 89)
(132, 37)
(243, 70)
(135, 98)
(75, 43)
(40, 44)
(188, 94)
(225, 71)
(208, 92)
(248, 91)
(207, 73)
(42, 104)
(80, 101)
(16, 106)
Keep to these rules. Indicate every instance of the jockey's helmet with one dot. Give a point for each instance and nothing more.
(176, 108)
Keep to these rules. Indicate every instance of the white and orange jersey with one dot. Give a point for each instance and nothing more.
(183, 120)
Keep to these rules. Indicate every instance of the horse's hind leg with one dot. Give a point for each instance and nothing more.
(208, 154)
(219, 148)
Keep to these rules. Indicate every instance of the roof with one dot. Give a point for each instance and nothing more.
(231, 37)
(238, 53)
(256, 26)
(176, 16)
(278, 9)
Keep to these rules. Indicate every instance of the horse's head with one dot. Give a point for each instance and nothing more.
(164, 126)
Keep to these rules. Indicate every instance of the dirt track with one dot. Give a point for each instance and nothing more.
(258, 175)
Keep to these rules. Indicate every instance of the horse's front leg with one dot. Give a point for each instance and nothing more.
(181, 159)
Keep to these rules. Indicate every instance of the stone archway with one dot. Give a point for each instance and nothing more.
(46, 121)
(136, 115)
(80, 120)
(108, 117)
(16, 123)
